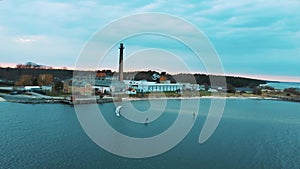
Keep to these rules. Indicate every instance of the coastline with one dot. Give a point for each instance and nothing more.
(198, 97)
(44, 99)
(28, 99)
(25, 99)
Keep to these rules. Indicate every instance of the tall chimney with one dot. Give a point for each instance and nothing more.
(121, 62)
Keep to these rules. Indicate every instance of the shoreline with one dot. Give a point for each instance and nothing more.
(199, 97)
(44, 99)
(24, 99)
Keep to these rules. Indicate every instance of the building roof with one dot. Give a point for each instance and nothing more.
(108, 83)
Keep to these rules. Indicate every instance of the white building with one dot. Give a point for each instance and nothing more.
(30, 88)
(192, 87)
(145, 86)
(46, 88)
(212, 90)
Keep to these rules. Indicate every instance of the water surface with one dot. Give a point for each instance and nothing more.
(251, 134)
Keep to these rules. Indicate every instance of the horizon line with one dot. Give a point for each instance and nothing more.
(264, 77)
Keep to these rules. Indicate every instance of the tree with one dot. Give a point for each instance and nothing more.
(230, 88)
(252, 85)
(206, 86)
(25, 80)
(269, 88)
(58, 86)
(257, 91)
(292, 90)
(45, 79)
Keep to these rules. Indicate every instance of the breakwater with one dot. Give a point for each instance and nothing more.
(25, 99)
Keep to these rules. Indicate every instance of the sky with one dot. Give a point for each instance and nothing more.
(253, 38)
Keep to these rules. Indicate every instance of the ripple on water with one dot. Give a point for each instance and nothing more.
(251, 134)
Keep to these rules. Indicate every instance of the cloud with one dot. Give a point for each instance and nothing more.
(43, 49)
(148, 7)
(246, 33)
(28, 39)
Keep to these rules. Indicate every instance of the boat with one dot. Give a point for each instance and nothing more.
(118, 110)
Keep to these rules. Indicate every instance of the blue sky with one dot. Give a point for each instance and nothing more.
(258, 38)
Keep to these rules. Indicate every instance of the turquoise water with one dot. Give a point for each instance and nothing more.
(251, 134)
(284, 85)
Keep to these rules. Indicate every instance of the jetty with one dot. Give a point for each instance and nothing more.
(287, 98)
(41, 99)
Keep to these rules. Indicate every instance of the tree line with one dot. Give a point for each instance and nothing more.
(201, 79)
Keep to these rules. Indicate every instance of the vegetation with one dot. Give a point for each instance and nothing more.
(14, 74)
(257, 91)
(31, 74)
(230, 88)
(25, 80)
(292, 91)
(45, 79)
(202, 79)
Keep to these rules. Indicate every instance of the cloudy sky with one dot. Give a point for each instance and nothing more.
(257, 38)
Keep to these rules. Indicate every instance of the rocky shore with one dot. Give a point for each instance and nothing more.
(41, 99)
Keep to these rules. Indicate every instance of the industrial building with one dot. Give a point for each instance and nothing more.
(145, 86)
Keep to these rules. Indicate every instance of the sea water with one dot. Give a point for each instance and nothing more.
(284, 85)
(251, 134)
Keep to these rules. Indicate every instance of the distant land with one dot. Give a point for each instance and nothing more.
(11, 75)
(58, 81)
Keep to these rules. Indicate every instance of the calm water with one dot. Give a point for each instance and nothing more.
(251, 134)
(284, 85)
